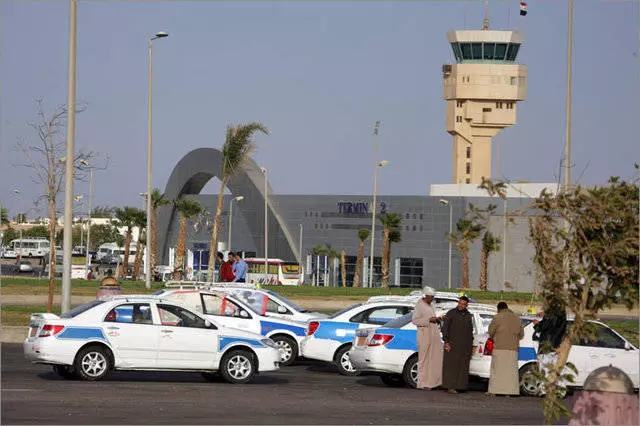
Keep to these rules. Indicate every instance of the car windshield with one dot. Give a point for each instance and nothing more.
(340, 312)
(399, 322)
(82, 308)
(285, 300)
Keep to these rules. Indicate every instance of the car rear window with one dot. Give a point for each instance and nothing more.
(340, 312)
(82, 308)
(399, 322)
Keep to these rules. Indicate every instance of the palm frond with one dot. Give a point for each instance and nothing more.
(188, 208)
(363, 234)
(239, 144)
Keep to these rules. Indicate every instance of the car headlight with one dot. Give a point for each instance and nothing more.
(270, 343)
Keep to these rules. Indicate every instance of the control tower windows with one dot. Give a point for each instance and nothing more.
(501, 48)
(487, 51)
(512, 52)
(476, 50)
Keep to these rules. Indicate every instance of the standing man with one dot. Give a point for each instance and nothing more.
(457, 334)
(549, 333)
(506, 331)
(226, 270)
(429, 343)
(240, 270)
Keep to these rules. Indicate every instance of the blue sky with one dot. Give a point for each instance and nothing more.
(318, 75)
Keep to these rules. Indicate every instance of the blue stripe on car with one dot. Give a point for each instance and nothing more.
(82, 333)
(526, 354)
(402, 339)
(228, 340)
(267, 327)
(342, 332)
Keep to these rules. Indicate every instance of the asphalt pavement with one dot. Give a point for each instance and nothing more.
(307, 393)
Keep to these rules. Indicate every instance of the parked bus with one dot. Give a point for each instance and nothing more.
(30, 247)
(280, 272)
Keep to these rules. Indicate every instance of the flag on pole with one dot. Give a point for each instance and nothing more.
(523, 8)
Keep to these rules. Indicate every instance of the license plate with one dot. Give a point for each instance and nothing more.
(362, 333)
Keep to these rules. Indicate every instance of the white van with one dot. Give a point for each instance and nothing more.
(132, 252)
(107, 249)
(30, 247)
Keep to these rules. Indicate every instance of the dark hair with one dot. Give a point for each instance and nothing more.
(465, 298)
(502, 305)
(220, 255)
(231, 253)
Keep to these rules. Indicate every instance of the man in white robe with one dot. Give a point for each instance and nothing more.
(429, 342)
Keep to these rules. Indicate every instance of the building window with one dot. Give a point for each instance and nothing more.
(468, 152)
(458, 119)
(316, 214)
(459, 104)
(415, 216)
(509, 105)
(514, 81)
(421, 228)
(468, 180)
(414, 228)
(406, 216)
(406, 228)
(468, 168)
(499, 105)
(315, 226)
(421, 216)
(411, 270)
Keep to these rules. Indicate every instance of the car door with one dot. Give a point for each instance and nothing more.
(228, 312)
(186, 341)
(130, 330)
(605, 347)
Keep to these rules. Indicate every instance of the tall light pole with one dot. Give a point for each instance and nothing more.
(567, 142)
(20, 219)
(373, 216)
(444, 202)
(65, 304)
(300, 246)
(147, 257)
(238, 198)
(266, 215)
(87, 254)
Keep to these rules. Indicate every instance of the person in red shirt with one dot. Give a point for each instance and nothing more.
(226, 270)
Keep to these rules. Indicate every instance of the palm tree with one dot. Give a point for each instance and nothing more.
(238, 145)
(127, 217)
(363, 234)
(343, 269)
(188, 209)
(158, 199)
(391, 223)
(467, 232)
(141, 223)
(490, 244)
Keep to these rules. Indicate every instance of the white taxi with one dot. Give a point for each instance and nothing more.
(145, 333)
(391, 351)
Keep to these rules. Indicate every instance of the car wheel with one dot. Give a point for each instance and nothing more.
(238, 366)
(64, 371)
(393, 380)
(410, 372)
(93, 363)
(211, 377)
(529, 383)
(288, 349)
(344, 363)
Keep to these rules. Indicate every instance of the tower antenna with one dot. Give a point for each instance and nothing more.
(485, 21)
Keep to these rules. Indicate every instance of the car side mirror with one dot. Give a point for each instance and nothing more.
(244, 314)
(282, 309)
(627, 346)
(208, 324)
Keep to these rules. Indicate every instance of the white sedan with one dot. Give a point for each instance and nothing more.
(392, 351)
(145, 333)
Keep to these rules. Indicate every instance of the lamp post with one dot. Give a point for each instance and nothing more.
(65, 299)
(87, 254)
(567, 146)
(20, 220)
(238, 198)
(147, 256)
(373, 216)
(266, 215)
(300, 247)
(444, 202)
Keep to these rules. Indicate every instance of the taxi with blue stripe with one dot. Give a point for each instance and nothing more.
(225, 307)
(145, 333)
(391, 351)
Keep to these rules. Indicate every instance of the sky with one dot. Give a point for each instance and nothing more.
(318, 75)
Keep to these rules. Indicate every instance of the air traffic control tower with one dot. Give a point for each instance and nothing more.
(481, 90)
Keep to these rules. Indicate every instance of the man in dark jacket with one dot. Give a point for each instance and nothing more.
(457, 334)
(549, 333)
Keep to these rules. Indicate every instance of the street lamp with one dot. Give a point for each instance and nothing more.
(88, 255)
(444, 202)
(147, 256)
(373, 216)
(238, 198)
(20, 220)
(300, 249)
(266, 225)
(77, 199)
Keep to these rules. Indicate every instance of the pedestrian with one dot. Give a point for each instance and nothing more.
(429, 342)
(457, 334)
(506, 331)
(549, 333)
(239, 269)
(226, 268)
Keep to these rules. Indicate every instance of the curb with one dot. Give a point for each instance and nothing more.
(13, 334)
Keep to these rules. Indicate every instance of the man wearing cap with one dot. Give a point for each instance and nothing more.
(429, 342)
(457, 334)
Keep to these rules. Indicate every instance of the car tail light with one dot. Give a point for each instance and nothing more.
(50, 330)
(380, 339)
(488, 347)
(313, 326)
